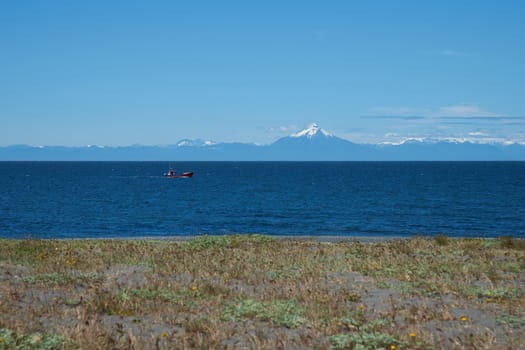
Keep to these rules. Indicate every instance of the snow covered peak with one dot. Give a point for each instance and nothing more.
(312, 130)
(195, 143)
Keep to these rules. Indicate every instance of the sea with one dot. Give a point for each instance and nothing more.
(347, 199)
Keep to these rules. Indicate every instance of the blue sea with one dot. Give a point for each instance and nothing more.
(133, 199)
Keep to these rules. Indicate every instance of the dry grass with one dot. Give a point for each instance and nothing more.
(249, 291)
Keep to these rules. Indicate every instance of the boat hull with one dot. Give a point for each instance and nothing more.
(179, 176)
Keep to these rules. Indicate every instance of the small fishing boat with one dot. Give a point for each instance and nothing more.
(171, 174)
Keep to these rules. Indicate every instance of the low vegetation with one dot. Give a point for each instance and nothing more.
(251, 291)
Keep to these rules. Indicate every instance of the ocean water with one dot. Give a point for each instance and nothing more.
(132, 199)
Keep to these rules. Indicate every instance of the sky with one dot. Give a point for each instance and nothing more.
(119, 73)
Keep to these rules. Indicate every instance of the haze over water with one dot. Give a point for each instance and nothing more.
(132, 199)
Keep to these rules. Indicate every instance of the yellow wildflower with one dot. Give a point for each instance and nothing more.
(412, 335)
(463, 318)
(361, 307)
(193, 288)
(393, 347)
(164, 334)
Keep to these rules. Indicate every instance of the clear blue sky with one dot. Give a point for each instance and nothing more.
(153, 72)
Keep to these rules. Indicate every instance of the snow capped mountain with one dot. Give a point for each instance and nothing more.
(195, 143)
(404, 141)
(311, 131)
(314, 143)
(310, 144)
(312, 135)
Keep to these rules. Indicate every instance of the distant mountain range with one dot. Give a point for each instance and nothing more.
(311, 144)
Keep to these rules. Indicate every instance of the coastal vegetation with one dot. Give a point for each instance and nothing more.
(253, 291)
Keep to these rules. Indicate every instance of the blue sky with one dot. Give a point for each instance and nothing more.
(153, 72)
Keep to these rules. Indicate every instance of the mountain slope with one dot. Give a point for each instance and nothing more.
(310, 144)
(314, 143)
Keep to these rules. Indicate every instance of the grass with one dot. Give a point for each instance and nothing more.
(253, 291)
(280, 312)
(36, 341)
(511, 320)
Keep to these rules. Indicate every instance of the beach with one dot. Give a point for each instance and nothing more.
(263, 292)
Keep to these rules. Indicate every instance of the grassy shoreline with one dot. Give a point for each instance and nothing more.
(251, 291)
(313, 238)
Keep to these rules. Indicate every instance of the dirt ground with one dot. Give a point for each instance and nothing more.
(258, 293)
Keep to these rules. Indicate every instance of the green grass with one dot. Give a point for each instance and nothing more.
(511, 320)
(362, 341)
(281, 312)
(35, 341)
(162, 294)
(228, 241)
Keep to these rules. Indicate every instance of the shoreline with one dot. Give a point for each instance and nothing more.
(317, 238)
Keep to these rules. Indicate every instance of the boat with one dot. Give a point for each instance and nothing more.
(171, 174)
